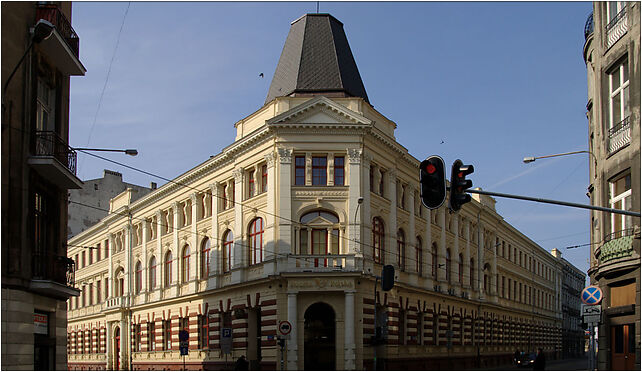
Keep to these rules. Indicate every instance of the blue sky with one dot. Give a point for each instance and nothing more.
(494, 81)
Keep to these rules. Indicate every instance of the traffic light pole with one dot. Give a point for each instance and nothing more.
(558, 202)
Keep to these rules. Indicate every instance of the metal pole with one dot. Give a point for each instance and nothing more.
(184, 363)
(374, 339)
(558, 202)
(282, 356)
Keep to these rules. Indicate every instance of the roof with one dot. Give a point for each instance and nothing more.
(316, 59)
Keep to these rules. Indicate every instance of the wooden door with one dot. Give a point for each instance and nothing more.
(622, 347)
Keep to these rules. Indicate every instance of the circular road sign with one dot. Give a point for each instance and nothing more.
(285, 327)
(591, 295)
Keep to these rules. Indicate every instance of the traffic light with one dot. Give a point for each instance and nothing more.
(432, 177)
(387, 277)
(459, 184)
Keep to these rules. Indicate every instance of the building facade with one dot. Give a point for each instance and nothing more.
(573, 281)
(293, 222)
(89, 204)
(39, 54)
(612, 56)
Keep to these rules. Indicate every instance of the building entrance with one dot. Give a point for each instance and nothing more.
(319, 338)
(623, 347)
(117, 353)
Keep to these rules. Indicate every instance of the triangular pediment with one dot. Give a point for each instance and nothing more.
(319, 110)
(320, 221)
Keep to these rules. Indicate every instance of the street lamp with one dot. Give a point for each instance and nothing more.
(530, 159)
(131, 152)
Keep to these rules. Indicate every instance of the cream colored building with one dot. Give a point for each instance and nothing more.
(292, 222)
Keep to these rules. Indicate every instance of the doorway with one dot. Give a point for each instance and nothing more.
(117, 338)
(623, 347)
(319, 338)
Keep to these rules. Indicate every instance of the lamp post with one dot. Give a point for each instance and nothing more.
(131, 152)
(530, 159)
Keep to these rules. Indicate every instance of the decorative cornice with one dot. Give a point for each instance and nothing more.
(270, 159)
(354, 156)
(285, 155)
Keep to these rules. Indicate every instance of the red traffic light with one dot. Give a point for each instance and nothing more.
(430, 169)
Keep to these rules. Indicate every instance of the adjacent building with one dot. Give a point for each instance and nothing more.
(293, 222)
(39, 54)
(90, 204)
(612, 56)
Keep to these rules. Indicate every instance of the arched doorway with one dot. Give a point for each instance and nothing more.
(319, 338)
(117, 348)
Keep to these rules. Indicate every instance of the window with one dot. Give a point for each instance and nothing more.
(121, 286)
(224, 192)
(419, 259)
(151, 336)
(434, 260)
(205, 258)
(203, 332)
(264, 175)
(137, 337)
(45, 111)
(167, 335)
(98, 294)
(448, 265)
(461, 269)
(91, 294)
(321, 228)
(84, 295)
(91, 256)
(152, 273)
(107, 287)
(401, 250)
(106, 248)
(381, 181)
(97, 252)
(339, 171)
(371, 175)
(299, 170)
(251, 184)
(620, 198)
(378, 237)
(319, 170)
(185, 264)
(256, 241)
(82, 255)
(168, 268)
(613, 9)
(139, 277)
(619, 94)
(228, 242)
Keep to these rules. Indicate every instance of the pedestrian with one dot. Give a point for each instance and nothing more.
(516, 356)
(540, 361)
(241, 364)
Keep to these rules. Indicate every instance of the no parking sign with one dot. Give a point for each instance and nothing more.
(591, 295)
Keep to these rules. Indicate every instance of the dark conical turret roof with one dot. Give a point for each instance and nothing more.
(316, 60)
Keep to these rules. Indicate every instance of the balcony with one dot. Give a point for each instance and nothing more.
(616, 28)
(53, 276)
(120, 302)
(616, 246)
(619, 136)
(54, 160)
(63, 45)
(321, 263)
(588, 27)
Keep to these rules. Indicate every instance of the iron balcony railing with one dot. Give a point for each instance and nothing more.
(616, 245)
(49, 143)
(588, 26)
(52, 13)
(616, 19)
(618, 234)
(619, 135)
(59, 269)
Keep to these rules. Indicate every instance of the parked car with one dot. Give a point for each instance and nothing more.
(526, 359)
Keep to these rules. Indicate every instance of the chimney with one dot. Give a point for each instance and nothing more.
(153, 186)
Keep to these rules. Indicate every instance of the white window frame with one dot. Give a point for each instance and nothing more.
(613, 199)
(616, 91)
(619, 6)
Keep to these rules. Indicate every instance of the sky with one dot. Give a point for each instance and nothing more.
(494, 81)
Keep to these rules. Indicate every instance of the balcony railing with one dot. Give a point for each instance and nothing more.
(58, 269)
(588, 27)
(321, 263)
(116, 302)
(51, 13)
(616, 245)
(619, 136)
(50, 144)
(616, 28)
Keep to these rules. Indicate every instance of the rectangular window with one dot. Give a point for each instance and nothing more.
(613, 10)
(77, 261)
(106, 248)
(203, 332)
(620, 197)
(97, 252)
(137, 337)
(381, 189)
(45, 109)
(84, 295)
(167, 335)
(264, 175)
(619, 94)
(151, 336)
(339, 171)
(91, 294)
(319, 170)
(299, 170)
(251, 184)
(83, 261)
(372, 185)
(91, 256)
(98, 296)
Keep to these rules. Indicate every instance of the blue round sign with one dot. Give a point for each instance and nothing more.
(591, 295)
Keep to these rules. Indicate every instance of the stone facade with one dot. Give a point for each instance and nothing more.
(573, 281)
(612, 56)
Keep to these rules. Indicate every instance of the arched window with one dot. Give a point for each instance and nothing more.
(139, 277)
(461, 269)
(152, 273)
(434, 260)
(448, 265)
(378, 239)
(419, 259)
(205, 258)
(168, 268)
(119, 283)
(319, 234)
(185, 264)
(401, 250)
(228, 242)
(256, 241)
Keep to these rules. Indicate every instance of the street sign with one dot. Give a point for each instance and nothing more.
(591, 319)
(285, 327)
(226, 340)
(183, 338)
(591, 310)
(591, 295)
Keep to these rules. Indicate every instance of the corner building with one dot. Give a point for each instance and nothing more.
(612, 57)
(292, 222)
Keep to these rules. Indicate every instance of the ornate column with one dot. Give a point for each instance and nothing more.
(441, 253)
(239, 249)
(390, 253)
(270, 220)
(294, 340)
(284, 202)
(354, 193)
(349, 345)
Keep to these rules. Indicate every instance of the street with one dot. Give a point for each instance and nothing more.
(574, 364)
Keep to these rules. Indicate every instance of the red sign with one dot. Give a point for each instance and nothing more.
(40, 324)
(285, 327)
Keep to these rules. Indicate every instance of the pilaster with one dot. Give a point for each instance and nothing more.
(293, 342)
(177, 250)
(216, 256)
(349, 344)
(239, 230)
(269, 267)
(390, 253)
(354, 193)
(284, 201)
(441, 252)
